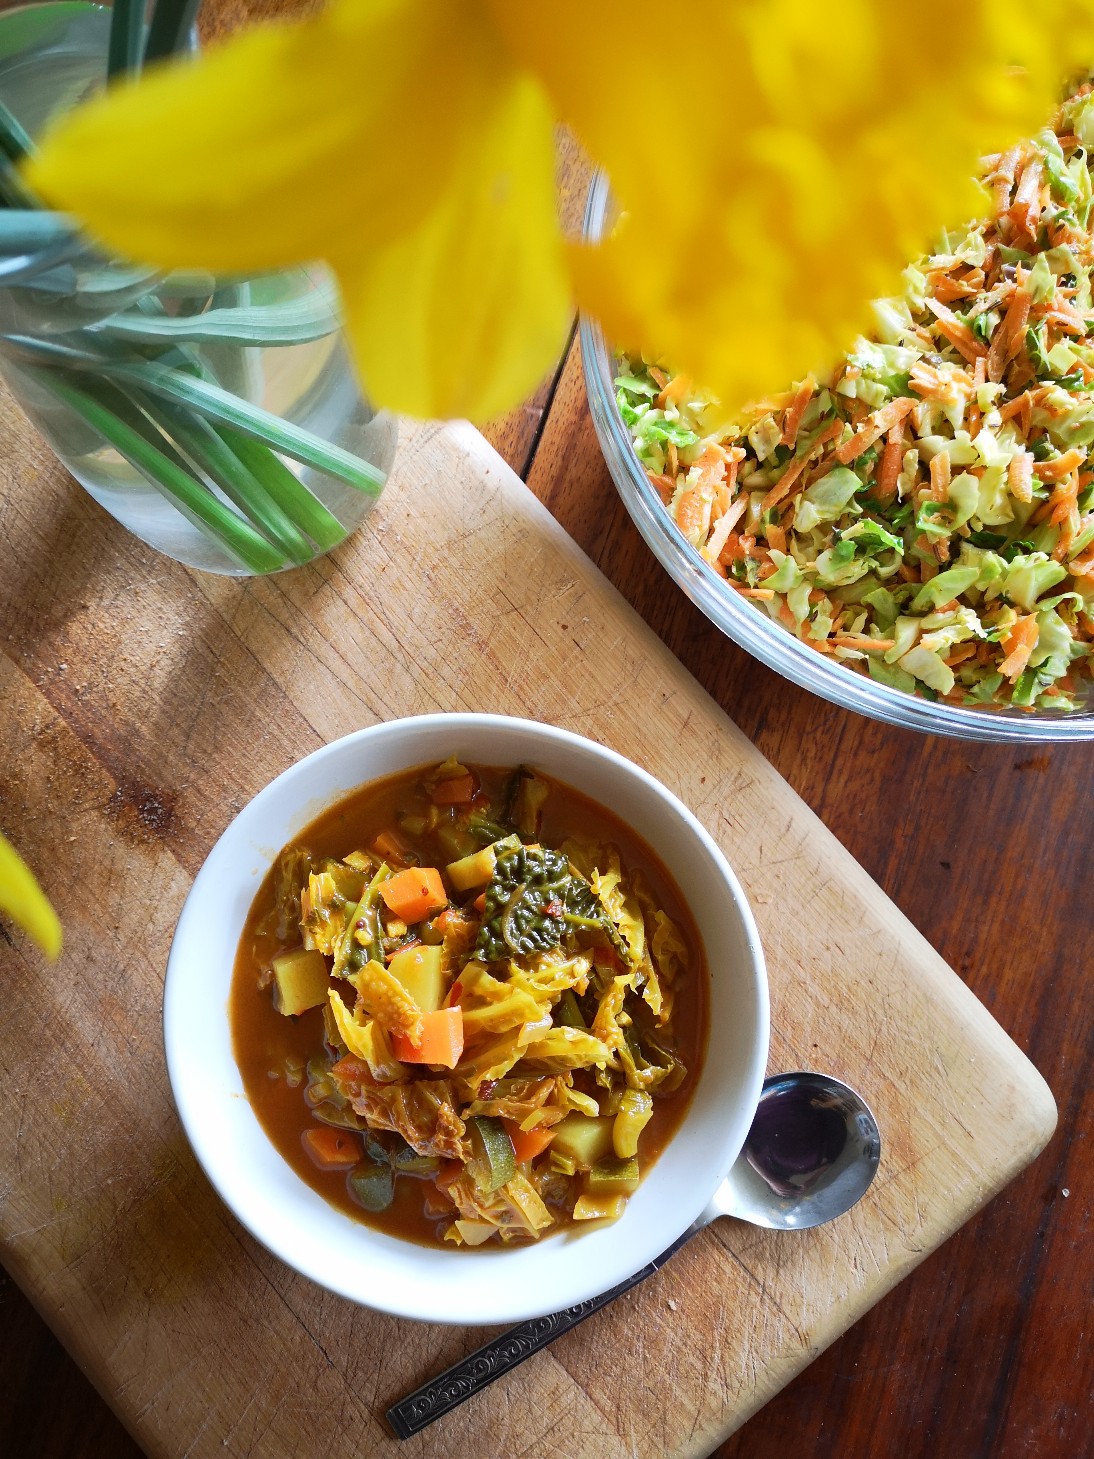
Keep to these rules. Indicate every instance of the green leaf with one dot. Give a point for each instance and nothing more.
(533, 900)
(293, 321)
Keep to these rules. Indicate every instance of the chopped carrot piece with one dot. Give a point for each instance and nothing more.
(332, 1149)
(390, 845)
(527, 1144)
(456, 790)
(414, 893)
(440, 1042)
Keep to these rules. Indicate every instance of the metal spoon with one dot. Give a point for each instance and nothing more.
(811, 1153)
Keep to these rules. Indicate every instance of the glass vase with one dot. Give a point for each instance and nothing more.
(219, 420)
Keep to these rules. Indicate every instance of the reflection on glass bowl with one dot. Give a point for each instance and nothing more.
(750, 627)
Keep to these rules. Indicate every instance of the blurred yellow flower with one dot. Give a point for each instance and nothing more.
(776, 171)
(22, 899)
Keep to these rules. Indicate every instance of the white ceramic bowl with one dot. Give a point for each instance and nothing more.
(348, 1257)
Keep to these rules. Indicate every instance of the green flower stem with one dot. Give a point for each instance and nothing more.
(211, 454)
(126, 33)
(292, 496)
(210, 401)
(295, 321)
(238, 537)
(25, 229)
(172, 22)
(14, 139)
(282, 435)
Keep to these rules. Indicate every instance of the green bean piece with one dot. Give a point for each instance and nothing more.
(493, 1161)
(373, 1184)
(566, 1011)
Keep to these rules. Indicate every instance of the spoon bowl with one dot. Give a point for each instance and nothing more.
(811, 1154)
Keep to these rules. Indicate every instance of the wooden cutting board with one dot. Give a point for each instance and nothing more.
(142, 706)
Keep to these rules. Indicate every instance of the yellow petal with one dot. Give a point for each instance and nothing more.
(395, 139)
(284, 143)
(777, 177)
(465, 315)
(23, 900)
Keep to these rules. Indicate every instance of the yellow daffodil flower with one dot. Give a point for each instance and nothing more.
(776, 169)
(22, 899)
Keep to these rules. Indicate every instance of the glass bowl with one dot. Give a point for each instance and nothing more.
(748, 626)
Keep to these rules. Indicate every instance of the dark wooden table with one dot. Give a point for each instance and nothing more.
(986, 1350)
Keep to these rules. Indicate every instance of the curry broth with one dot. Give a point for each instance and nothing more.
(272, 1050)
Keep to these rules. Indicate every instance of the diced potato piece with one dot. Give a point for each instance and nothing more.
(583, 1139)
(599, 1208)
(472, 871)
(612, 1177)
(418, 968)
(474, 1233)
(301, 980)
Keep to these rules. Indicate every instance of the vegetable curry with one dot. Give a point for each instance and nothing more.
(469, 1006)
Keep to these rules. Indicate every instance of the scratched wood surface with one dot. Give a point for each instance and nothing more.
(143, 704)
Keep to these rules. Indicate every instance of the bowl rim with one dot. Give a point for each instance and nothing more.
(208, 1143)
(762, 638)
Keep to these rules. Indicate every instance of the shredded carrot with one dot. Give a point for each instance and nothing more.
(712, 551)
(1062, 466)
(873, 428)
(962, 652)
(1025, 211)
(754, 592)
(956, 331)
(888, 469)
(796, 409)
(1018, 645)
(691, 512)
(784, 483)
(940, 476)
(856, 640)
(1020, 477)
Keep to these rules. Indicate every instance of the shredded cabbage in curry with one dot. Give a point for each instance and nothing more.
(497, 1027)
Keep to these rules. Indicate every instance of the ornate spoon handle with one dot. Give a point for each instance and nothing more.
(440, 1395)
